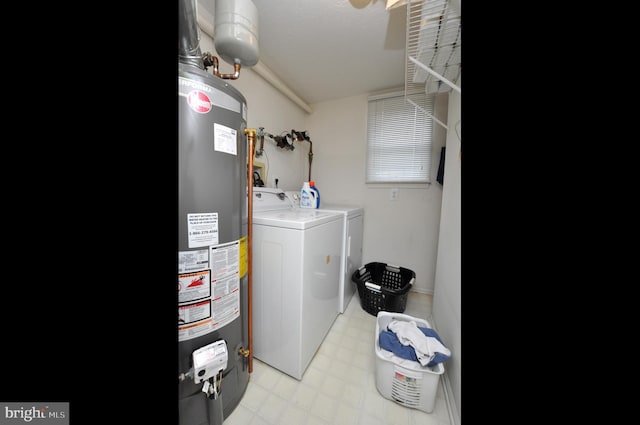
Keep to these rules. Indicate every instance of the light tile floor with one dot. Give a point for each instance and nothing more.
(338, 387)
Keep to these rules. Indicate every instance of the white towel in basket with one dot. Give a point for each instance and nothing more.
(426, 347)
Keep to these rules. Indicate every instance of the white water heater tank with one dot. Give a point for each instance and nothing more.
(236, 31)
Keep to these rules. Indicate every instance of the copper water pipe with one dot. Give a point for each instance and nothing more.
(234, 76)
(251, 138)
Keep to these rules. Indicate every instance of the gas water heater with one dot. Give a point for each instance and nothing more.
(213, 276)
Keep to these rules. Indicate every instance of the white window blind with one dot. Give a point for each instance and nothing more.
(399, 139)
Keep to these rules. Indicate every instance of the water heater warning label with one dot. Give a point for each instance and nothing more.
(225, 139)
(210, 299)
(203, 229)
(193, 261)
(194, 286)
(194, 313)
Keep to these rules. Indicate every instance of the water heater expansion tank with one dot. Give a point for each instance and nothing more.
(236, 31)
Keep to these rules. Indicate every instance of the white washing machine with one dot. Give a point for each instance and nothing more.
(296, 279)
(352, 233)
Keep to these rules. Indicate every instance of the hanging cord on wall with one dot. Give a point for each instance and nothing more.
(257, 181)
(302, 136)
(266, 167)
(310, 157)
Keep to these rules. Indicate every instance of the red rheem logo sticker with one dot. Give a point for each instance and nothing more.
(199, 101)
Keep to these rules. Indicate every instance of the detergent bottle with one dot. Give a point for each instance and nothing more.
(307, 196)
(314, 188)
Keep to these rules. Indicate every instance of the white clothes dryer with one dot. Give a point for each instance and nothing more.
(352, 233)
(296, 270)
(352, 236)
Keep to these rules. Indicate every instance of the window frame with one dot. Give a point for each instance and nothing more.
(413, 113)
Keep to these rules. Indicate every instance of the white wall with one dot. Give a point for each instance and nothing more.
(336, 129)
(268, 108)
(447, 302)
(402, 232)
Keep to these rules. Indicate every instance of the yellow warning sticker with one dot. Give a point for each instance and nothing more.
(244, 257)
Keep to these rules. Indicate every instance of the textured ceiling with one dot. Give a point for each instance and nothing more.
(330, 49)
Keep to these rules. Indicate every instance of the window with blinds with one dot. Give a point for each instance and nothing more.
(399, 138)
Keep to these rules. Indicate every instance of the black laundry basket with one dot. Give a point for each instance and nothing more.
(383, 287)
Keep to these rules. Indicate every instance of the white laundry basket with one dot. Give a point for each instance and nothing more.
(405, 381)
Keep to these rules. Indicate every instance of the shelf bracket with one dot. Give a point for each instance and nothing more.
(438, 76)
(431, 115)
